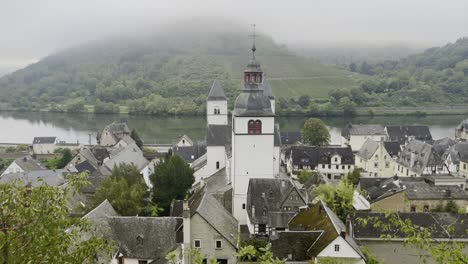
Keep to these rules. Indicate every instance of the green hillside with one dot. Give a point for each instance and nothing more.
(164, 73)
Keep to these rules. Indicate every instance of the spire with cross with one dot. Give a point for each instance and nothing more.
(253, 35)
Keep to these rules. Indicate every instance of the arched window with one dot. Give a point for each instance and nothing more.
(255, 127)
(217, 111)
(247, 78)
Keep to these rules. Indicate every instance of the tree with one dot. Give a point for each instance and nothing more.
(35, 226)
(304, 176)
(304, 101)
(339, 198)
(66, 158)
(347, 105)
(134, 135)
(172, 178)
(315, 132)
(126, 192)
(451, 206)
(354, 176)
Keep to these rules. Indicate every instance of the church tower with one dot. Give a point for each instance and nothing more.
(252, 137)
(216, 107)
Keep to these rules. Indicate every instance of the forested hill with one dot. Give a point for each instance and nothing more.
(437, 76)
(165, 73)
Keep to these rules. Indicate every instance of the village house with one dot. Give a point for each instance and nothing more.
(390, 247)
(44, 145)
(291, 137)
(23, 164)
(334, 242)
(417, 194)
(36, 178)
(453, 157)
(354, 136)
(88, 159)
(332, 161)
(112, 134)
(418, 159)
(404, 134)
(184, 141)
(191, 152)
(271, 203)
(377, 159)
(461, 131)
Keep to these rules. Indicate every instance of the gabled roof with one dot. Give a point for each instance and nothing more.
(218, 135)
(313, 155)
(368, 129)
(403, 133)
(85, 166)
(321, 218)
(44, 140)
(190, 153)
(149, 238)
(36, 178)
(268, 196)
(118, 128)
(441, 225)
(392, 148)
(215, 214)
(443, 144)
(27, 163)
(294, 243)
(216, 92)
(368, 149)
(130, 154)
(457, 152)
(418, 155)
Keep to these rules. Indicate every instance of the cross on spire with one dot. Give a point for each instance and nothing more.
(253, 35)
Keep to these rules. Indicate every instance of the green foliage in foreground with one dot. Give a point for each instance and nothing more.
(36, 228)
(126, 192)
(339, 198)
(262, 255)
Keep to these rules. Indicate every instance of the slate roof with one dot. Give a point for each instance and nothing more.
(368, 129)
(149, 238)
(442, 145)
(457, 152)
(268, 196)
(392, 148)
(85, 166)
(415, 188)
(190, 153)
(290, 138)
(130, 154)
(27, 163)
(118, 128)
(313, 155)
(216, 92)
(98, 218)
(440, 225)
(321, 218)
(295, 243)
(252, 102)
(267, 91)
(44, 140)
(368, 149)
(36, 178)
(218, 135)
(215, 214)
(403, 133)
(418, 155)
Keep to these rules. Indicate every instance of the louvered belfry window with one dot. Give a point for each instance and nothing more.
(255, 127)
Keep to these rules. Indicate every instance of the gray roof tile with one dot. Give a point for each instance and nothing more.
(216, 92)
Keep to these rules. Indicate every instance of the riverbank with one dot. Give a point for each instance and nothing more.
(358, 111)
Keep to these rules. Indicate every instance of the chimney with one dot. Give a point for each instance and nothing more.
(348, 225)
(186, 246)
(343, 234)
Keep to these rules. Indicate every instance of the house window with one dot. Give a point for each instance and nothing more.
(337, 167)
(376, 165)
(426, 208)
(243, 206)
(387, 165)
(120, 260)
(336, 159)
(142, 262)
(413, 208)
(255, 127)
(343, 167)
(262, 228)
(329, 166)
(218, 244)
(217, 165)
(337, 248)
(349, 167)
(464, 166)
(376, 156)
(197, 243)
(323, 166)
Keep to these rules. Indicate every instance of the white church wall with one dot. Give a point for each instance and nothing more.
(276, 161)
(241, 125)
(217, 119)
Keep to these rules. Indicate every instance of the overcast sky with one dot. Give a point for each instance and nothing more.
(31, 29)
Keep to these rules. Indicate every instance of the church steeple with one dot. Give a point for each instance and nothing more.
(253, 74)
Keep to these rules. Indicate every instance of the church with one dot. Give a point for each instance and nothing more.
(247, 145)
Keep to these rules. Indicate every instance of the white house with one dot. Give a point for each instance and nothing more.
(23, 164)
(377, 159)
(44, 145)
(355, 135)
(113, 133)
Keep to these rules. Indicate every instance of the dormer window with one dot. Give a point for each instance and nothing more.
(255, 127)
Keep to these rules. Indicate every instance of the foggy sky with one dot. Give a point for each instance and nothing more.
(31, 29)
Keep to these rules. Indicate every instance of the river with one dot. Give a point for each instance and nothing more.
(22, 127)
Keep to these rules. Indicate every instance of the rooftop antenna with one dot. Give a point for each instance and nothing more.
(253, 35)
